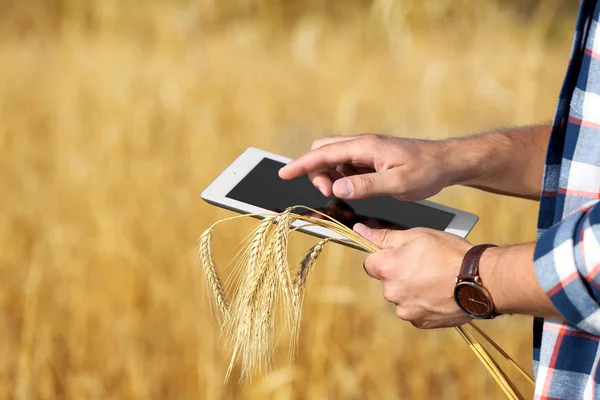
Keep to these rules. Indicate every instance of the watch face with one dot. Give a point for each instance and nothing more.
(472, 299)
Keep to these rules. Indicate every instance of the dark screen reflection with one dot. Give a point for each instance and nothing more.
(344, 213)
(263, 188)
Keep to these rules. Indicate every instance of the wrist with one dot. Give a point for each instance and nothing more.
(490, 273)
(509, 276)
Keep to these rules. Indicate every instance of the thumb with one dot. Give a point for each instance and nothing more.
(366, 185)
(382, 238)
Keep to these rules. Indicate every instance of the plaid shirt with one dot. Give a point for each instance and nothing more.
(567, 255)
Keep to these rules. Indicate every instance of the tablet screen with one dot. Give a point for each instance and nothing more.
(263, 188)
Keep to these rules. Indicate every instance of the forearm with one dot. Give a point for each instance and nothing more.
(508, 162)
(509, 275)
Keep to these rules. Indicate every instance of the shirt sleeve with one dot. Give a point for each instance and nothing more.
(567, 265)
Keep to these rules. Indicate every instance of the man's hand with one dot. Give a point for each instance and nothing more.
(418, 269)
(355, 167)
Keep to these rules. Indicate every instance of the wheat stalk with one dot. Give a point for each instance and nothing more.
(249, 320)
(502, 352)
(493, 368)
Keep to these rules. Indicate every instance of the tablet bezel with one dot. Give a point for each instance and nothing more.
(216, 194)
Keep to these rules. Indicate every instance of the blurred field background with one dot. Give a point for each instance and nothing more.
(114, 115)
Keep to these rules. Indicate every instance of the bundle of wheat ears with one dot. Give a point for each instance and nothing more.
(264, 278)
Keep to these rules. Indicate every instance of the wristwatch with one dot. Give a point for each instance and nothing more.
(470, 294)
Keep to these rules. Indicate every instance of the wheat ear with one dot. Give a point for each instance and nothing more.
(306, 265)
(263, 320)
(281, 262)
(249, 319)
(299, 286)
(240, 322)
(210, 271)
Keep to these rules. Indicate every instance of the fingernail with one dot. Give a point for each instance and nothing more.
(344, 188)
(322, 190)
(362, 229)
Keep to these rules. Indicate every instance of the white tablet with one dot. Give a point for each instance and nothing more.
(251, 184)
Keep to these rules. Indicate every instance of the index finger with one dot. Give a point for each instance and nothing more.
(353, 151)
(331, 139)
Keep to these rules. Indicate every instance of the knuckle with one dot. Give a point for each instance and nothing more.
(370, 266)
(404, 313)
(369, 136)
(372, 138)
(417, 233)
(387, 237)
(389, 295)
(421, 235)
(425, 239)
(400, 187)
(365, 183)
(327, 140)
(381, 270)
(318, 143)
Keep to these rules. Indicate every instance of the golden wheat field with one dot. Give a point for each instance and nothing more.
(114, 115)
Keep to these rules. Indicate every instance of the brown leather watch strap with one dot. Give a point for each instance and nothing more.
(469, 268)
